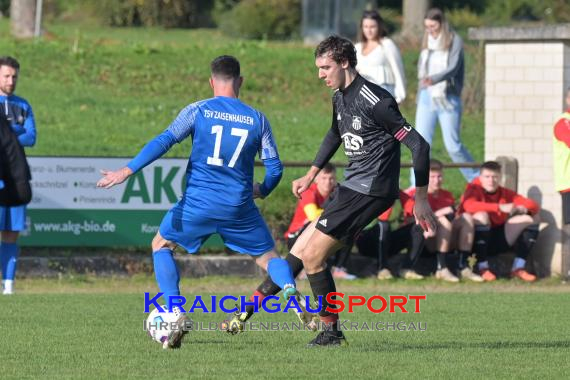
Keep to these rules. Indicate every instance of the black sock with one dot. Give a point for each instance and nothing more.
(416, 246)
(322, 283)
(463, 256)
(481, 243)
(526, 241)
(268, 287)
(441, 260)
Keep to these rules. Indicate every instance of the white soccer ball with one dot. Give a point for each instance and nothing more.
(158, 324)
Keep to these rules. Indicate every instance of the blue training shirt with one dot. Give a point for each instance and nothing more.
(19, 113)
(226, 136)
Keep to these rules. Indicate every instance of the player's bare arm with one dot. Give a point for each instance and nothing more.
(423, 212)
(302, 184)
(152, 151)
(328, 148)
(112, 178)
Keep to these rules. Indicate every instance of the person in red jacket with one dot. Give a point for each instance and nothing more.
(454, 231)
(309, 208)
(379, 242)
(503, 219)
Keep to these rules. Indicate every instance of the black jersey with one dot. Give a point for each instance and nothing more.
(14, 169)
(368, 123)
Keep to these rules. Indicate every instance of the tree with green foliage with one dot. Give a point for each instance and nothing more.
(262, 19)
(166, 13)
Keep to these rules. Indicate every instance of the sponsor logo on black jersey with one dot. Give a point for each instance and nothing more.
(352, 142)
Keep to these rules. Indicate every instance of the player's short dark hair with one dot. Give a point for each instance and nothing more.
(340, 50)
(491, 165)
(10, 61)
(328, 168)
(435, 165)
(225, 67)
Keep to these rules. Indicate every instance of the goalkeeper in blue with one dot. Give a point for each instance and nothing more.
(226, 134)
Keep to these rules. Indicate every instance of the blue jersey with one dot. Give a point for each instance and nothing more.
(19, 113)
(226, 135)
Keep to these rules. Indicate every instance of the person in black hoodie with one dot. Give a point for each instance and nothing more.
(15, 189)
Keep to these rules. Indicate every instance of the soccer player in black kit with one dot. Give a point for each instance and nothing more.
(367, 122)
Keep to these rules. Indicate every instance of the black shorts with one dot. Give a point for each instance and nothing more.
(348, 212)
(497, 241)
(565, 207)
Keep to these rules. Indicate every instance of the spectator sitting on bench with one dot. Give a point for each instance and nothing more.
(504, 220)
(309, 208)
(453, 231)
(379, 242)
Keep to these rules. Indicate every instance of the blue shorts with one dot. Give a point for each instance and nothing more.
(13, 218)
(190, 229)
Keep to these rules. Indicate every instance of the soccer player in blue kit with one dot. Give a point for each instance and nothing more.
(19, 114)
(226, 135)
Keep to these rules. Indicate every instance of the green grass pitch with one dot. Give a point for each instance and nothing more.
(93, 328)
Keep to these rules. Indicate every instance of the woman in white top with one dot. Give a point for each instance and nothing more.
(379, 59)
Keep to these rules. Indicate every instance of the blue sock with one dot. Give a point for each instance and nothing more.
(280, 272)
(8, 257)
(166, 273)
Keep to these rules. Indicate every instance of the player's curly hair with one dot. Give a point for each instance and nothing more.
(340, 50)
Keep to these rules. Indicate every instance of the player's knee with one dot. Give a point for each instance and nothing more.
(158, 242)
(311, 260)
(271, 255)
(519, 220)
(481, 218)
(467, 220)
(264, 259)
